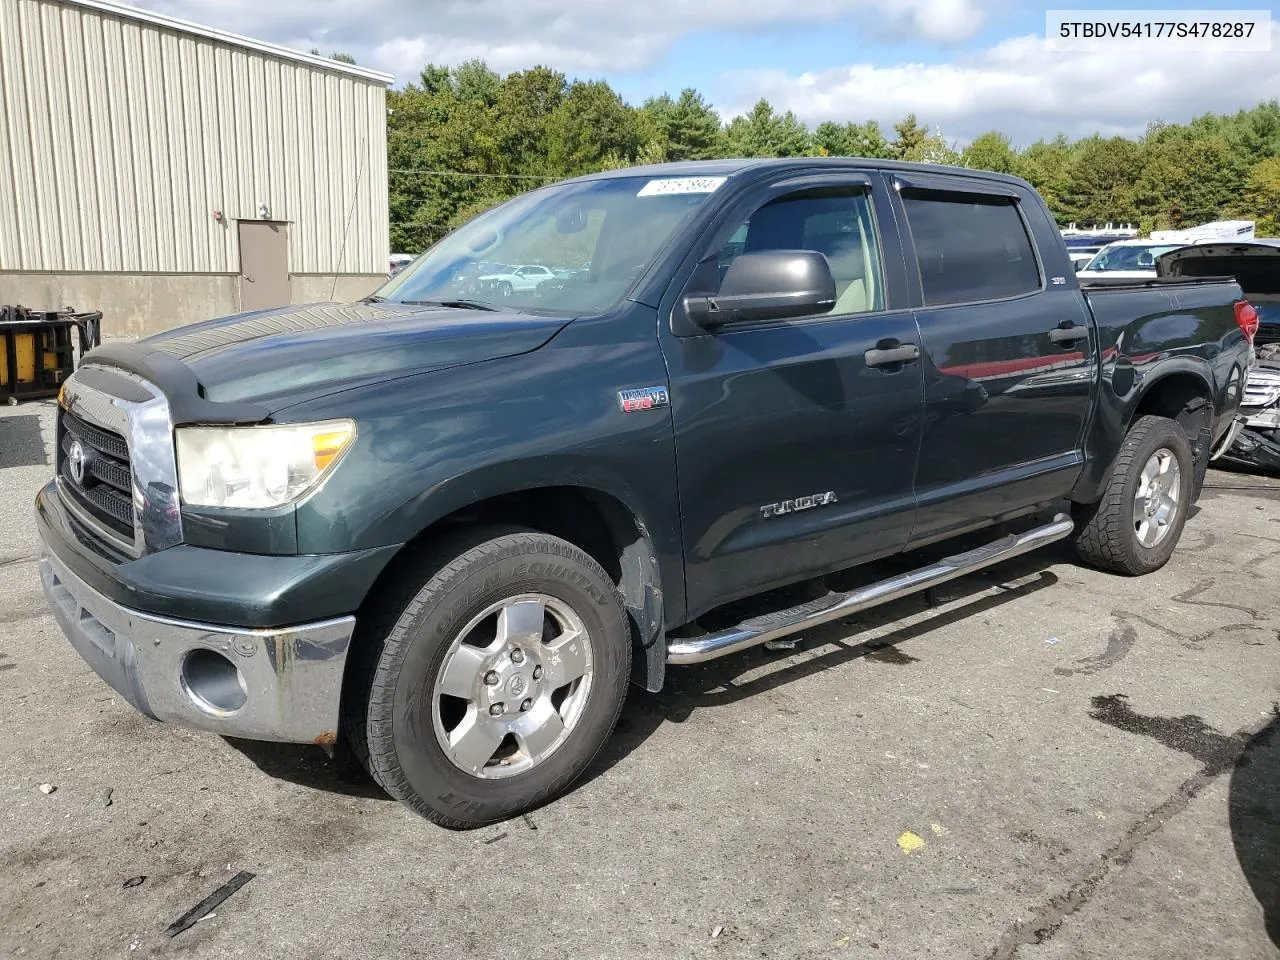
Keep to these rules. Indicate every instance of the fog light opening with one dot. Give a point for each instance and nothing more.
(213, 682)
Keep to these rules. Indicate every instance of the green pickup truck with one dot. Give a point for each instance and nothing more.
(449, 524)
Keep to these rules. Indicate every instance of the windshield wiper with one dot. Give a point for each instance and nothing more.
(454, 304)
(374, 298)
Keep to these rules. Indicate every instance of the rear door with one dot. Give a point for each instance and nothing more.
(1007, 352)
(795, 455)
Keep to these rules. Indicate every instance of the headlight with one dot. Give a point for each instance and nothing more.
(257, 467)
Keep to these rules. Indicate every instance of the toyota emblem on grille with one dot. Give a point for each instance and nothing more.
(76, 461)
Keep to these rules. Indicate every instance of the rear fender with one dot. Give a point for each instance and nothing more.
(1180, 387)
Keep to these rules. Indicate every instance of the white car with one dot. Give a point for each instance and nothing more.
(518, 279)
(1126, 260)
(398, 262)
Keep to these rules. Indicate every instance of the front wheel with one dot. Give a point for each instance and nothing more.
(498, 684)
(1136, 525)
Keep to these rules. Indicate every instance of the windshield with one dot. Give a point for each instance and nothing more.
(571, 249)
(1139, 257)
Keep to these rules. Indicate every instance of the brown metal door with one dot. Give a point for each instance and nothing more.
(264, 265)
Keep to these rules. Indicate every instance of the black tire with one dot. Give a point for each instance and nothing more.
(389, 698)
(505, 289)
(1106, 534)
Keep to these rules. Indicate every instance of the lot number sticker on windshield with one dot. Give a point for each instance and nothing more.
(670, 185)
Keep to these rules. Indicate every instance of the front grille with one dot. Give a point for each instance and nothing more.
(106, 491)
(1261, 386)
(1267, 334)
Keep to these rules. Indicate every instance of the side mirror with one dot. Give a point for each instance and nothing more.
(767, 285)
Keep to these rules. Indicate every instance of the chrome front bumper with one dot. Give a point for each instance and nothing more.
(1260, 406)
(281, 684)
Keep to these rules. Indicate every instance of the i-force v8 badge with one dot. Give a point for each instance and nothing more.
(643, 398)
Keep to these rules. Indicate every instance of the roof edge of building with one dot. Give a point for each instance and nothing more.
(234, 39)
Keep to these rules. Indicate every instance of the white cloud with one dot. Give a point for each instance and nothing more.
(1020, 86)
(569, 35)
(1024, 88)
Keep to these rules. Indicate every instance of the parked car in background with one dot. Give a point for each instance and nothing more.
(1255, 265)
(451, 531)
(1125, 260)
(1082, 245)
(522, 279)
(1256, 443)
(398, 262)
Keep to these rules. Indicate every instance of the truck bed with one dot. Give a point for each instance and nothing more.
(1124, 283)
(1134, 305)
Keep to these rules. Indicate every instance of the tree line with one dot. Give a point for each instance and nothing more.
(463, 139)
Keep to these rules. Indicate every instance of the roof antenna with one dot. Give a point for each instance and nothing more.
(346, 230)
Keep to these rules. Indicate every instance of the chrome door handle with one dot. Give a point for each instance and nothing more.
(886, 358)
(1068, 334)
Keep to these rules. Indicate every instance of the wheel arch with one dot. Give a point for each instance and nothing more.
(1185, 396)
(598, 520)
(1171, 393)
(1180, 388)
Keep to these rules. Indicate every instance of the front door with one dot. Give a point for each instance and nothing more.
(264, 265)
(1007, 354)
(795, 454)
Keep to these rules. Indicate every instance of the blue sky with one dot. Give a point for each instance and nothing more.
(963, 66)
(700, 60)
(798, 48)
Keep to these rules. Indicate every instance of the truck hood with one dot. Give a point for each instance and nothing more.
(1256, 266)
(1196, 260)
(307, 351)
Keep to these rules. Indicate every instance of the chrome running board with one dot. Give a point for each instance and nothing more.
(757, 630)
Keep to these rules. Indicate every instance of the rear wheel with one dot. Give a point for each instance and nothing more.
(499, 683)
(1136, 525)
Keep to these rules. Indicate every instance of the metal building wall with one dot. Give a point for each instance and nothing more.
(119, 139)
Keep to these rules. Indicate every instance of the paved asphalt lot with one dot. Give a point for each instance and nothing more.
(1090, 767)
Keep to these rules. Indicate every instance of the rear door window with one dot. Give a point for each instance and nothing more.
(969, 247)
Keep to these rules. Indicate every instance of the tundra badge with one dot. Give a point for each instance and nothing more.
(799, 503)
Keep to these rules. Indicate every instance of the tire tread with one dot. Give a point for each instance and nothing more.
(1104, 535)
(373, 688)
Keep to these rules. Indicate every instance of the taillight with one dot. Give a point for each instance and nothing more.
(1247, 319)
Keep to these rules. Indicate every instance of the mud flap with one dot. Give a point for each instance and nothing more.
(1197, 423)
